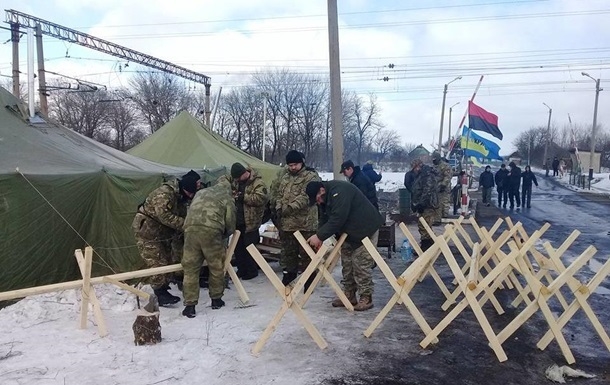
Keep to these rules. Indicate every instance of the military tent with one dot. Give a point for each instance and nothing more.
(185, 142)
(59, 191)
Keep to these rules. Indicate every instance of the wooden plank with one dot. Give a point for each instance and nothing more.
(126, 287)
(241, 291)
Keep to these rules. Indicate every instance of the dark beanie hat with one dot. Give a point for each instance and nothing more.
(294, 156)
(237, 170)
(192, 174)
(188, 183)
(312, 191)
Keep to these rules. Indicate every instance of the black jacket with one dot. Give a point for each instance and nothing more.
(501, 178)
(555, 164)
(346, 210)
(528, 178)
(360, 180)
(486, 179)
(409, 180)
(514, 178)
(367, 169)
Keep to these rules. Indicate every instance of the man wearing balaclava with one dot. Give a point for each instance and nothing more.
(294, 214)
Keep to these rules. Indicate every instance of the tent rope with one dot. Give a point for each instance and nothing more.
(65, 220)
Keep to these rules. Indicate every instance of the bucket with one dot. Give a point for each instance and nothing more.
(404, 201)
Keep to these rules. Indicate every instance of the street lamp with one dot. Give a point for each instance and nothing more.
(548, 138)
(449, 128)
(440, 135)
(594, 129)
(266, 95)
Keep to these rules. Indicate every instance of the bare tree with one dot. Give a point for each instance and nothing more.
(365, 123)
(386, 142)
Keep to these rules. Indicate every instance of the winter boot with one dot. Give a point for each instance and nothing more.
(365, 303)
(165, 298)
(217, 303)
(189, 311)
(425, 244)
(351, 297)
(288, 277)
(309, 282)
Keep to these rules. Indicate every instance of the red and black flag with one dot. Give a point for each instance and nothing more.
(481, 120)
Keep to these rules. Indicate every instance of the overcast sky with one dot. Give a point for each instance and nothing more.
(530, 51)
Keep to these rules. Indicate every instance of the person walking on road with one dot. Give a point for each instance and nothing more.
(555, 166)
(360, 180)
(486, 181)
(526, 193)
(501, 179)
(514, 183)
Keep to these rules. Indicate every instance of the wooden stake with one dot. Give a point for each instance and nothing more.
(243, 296)
(88, 293)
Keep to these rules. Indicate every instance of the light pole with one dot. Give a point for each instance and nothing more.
(548, 137)
(449, 128)
(594, 129)
(440, 134)
(266, 95)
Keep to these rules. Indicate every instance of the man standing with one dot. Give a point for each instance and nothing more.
(157, 224)
(367, 169)
(547, 164)
(360, 180)
(528, 178)
(344, 209)
(514, 183)
(486, 181)
(211, 219)
(501, 179)
(555, 166)
(295, 214)
(444, 173)
(250, 195)
(424, 198)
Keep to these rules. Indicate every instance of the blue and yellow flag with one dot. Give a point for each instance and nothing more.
(478, 146)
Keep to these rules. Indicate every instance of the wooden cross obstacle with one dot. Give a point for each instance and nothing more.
(86, 284)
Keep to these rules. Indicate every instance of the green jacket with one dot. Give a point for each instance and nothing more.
(444, 177)
(255, 199)
(212, 208)
(292, 204)
(347, 210)
(425, 188)
(160, 216)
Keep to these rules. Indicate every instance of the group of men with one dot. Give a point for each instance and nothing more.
(508, 182)
(184, 222)
(430, 189)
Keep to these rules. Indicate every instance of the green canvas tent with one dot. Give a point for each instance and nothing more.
(185, 142)
(59, 191)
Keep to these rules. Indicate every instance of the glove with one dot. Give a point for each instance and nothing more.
(419, 208)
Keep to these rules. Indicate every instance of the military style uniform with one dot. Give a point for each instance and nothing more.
(294, 214)
(156, 226)
(424, 200)
(444, 188)
(211, 219)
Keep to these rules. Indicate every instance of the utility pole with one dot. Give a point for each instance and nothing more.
(449, 133)
(15, 41)
(265, 102)
(208, 112)
(548, 137)
(335, 87)
(594, 128)
(42, 83)
(440, 134)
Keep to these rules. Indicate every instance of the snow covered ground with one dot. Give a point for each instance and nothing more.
(599, 185)
(390, 181)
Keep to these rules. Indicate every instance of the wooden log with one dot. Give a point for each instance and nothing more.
(146, 328)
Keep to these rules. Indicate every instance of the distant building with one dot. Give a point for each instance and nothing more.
(420, 152)
(514, 157)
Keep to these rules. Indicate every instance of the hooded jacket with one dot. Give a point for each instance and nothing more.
(360, 180)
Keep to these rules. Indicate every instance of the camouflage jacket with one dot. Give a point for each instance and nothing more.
(444, 177)
(275, 187)
(212, 208)
(292, 204)
(255, 199)
(425, 188)
(160, 214)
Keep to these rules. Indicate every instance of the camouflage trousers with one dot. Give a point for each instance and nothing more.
(200, 245)
(429, 216)
(443, 201)
(357, 266)
(294, 258)
(155, 253)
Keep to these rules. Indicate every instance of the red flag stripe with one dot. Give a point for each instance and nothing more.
(475, 110)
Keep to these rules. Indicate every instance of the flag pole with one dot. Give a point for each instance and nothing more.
(466, 112)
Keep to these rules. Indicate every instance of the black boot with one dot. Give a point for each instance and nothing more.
(189, 311)
(309, 282)
(288, 277)
(165, 298)
(217, 303)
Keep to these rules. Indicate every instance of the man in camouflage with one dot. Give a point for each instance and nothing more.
(211, 219)
(345, 209)
(294, 214)
(444, 184)
(250, 193)
(156, 225)
(424, 198)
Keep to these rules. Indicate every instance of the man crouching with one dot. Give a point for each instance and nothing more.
(344, 209)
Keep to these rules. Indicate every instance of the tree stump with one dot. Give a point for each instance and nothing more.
(146, 328)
